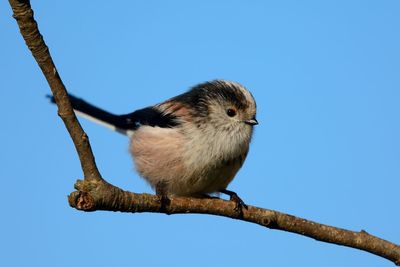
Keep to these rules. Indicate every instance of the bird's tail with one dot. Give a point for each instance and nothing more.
(88, 111)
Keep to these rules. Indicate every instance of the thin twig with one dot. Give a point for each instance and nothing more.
(34, 40)
(94, 193)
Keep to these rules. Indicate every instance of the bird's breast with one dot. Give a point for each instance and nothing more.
(211, 147)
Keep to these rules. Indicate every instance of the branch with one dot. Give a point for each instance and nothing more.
(94, 193)
(34, 40)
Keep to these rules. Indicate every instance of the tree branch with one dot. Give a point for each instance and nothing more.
(94, 193)
(34, 40)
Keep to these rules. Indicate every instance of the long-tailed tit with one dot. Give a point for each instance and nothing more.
(190, 145)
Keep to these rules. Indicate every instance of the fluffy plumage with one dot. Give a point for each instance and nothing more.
(193, 143)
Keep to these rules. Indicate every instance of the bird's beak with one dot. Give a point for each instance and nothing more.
(251, 122)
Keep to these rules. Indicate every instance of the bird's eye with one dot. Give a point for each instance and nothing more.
(231, 112)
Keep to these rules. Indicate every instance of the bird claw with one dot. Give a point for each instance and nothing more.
(162, 196)
(239, 203)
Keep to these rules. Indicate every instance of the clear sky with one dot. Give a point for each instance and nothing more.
(326, 77)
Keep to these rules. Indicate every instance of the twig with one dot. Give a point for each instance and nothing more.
(34, 40)
(94, 193)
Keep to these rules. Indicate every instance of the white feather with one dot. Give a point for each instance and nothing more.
(96, 120)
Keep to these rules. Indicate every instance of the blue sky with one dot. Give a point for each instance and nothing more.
(326, 78)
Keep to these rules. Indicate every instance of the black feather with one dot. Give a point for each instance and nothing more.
(148, 116)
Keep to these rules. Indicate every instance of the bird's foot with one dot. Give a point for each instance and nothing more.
(239, 203)
(161, 192)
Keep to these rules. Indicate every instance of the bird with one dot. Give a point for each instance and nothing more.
(190, 145)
